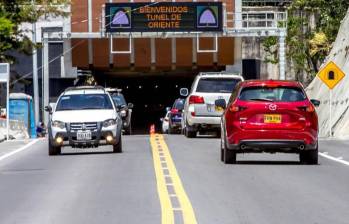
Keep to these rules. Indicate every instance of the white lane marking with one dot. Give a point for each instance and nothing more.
(339, 160)
(19, 150)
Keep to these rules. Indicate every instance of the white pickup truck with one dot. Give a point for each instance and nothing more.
(84, 117)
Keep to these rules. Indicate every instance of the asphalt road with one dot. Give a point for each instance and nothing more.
(124, 188)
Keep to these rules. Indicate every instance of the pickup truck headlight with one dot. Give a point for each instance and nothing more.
(123, 113)
(58, 124)
(109, 122)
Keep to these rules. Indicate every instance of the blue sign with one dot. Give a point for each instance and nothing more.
(22, 110)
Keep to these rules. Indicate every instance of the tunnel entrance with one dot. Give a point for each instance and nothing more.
(150, 94)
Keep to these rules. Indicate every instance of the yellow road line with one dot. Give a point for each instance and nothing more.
(165, 201)
(158, 146)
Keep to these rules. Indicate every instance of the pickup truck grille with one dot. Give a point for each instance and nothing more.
(83, 126)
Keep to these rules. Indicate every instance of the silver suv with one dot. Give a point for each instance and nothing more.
(200, 113)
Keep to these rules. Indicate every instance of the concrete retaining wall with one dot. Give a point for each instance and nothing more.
(340, 95)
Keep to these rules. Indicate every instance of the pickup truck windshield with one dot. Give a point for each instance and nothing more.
(216, 85)
(84, 102)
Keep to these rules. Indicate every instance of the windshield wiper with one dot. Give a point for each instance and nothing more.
(262, 99)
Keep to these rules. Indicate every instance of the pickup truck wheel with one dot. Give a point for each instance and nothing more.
(52, 150)
(59, 149)
(117, 148)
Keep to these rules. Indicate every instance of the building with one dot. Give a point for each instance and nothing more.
(151, 67)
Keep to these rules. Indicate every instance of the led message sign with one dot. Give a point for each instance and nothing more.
(163, 16)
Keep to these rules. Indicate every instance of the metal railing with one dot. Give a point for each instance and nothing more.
(266, 2)
(257, 20)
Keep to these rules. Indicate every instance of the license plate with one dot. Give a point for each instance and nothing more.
(83, 135)
(210, 107)
(272, 118)
(219, 109)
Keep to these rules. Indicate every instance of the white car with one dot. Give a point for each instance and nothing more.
(84, 117)
(165, 122)
(200, 113)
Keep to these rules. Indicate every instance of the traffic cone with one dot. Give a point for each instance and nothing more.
(152, 129)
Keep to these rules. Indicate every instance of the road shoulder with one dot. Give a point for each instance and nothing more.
(9, 148)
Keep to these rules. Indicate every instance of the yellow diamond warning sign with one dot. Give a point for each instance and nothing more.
(331, 74)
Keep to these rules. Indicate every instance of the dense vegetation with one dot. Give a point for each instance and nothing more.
(15, 12)
(312, 28)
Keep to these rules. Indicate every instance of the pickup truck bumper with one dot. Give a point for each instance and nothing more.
(101, 136)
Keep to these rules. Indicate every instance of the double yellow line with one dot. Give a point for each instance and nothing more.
(168, 180)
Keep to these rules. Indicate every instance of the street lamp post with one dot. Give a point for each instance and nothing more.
(35, 74)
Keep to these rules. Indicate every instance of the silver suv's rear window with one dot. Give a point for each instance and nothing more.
(275, 94)
(216, 85)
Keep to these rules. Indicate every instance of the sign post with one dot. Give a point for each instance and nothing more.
(331, 75)
(5, 77)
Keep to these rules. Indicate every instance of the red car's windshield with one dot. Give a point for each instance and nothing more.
(273, 94)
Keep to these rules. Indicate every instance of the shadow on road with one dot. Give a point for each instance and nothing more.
(254, 162)
(85, 153)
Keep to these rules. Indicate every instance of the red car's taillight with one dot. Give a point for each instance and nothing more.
(234, 108)
(309, 108)
(174, 110)
(196, 100)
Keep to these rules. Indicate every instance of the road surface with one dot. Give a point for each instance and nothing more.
(133, 187)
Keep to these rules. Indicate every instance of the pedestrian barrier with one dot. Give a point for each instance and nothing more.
(18, 129)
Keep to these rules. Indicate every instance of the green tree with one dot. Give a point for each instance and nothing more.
(13, 13)
(312, 27)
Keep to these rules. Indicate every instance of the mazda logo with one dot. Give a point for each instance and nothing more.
(272, 107)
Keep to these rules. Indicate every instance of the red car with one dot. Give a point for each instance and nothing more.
(269, 116)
